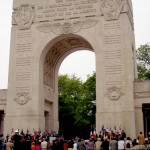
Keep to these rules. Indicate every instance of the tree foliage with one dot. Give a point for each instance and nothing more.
(76, 104)
(143, 61)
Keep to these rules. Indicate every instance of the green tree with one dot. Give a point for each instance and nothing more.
(76, 104)
(69, 89)
(143, 61)
(86, 115)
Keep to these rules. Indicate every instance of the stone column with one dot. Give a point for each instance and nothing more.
(115, 99)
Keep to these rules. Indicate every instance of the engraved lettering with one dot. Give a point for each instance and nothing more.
(61, 9)
(65, 9)
(68, 13)
(40, 7)
(59, 1)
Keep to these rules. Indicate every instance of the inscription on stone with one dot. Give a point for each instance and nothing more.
(113, 54)
(66, 9)
(23, 61)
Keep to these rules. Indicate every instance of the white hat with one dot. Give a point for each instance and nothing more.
(16, 131)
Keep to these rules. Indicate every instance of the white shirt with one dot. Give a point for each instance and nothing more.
(44, 145)
(75, 146)
(121, 144)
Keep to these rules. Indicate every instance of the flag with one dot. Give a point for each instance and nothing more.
(107, 130)
(120, 129)
(102, 129)
(12, 130)
(22, 132)
(114, 127)
(110, 128)
(27, 131)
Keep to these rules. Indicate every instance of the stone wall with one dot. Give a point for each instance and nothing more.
(3, 99)
(141, 96)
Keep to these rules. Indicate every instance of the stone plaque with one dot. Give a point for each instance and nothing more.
(66, 9)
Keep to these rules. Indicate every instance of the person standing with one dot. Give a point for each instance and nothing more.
(90, 145)
(75, 146)
(38, 146)
(17, 140)
(65, 146)
(98, 144)
(9, 145)
(2, 143)
(70, 145)
(33, 146)
(105, 144)
(44, 144)
(121, 144)
(81, 145)
(141, 138)
(113, 144)
(148, 136)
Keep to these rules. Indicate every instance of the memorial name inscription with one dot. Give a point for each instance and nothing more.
(66, 9)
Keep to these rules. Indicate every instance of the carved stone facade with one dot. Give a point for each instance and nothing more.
(22, 98)
(111, 9)
(114, 93)
(55, 53)
(67, 27)
(44, 33)
(24, 16)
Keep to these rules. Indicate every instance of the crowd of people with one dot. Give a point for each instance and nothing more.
(106, 140)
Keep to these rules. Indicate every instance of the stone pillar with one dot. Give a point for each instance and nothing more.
(25, 109)
(115, 99)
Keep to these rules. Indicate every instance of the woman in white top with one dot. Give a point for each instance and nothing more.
(121, 144)
(75, 146)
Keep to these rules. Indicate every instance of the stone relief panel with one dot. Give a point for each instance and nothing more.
(57, 50)
(111, 9)
(24, 16)
(114, 93)
(48, 93)
(67, 27)
(22, 98)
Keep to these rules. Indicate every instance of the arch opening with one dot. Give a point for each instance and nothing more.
(54, 56)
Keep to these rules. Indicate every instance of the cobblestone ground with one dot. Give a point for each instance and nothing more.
(142, 147)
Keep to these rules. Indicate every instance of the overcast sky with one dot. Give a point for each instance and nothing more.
(72, 64)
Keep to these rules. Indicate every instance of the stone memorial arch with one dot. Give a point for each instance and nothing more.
(44, 33)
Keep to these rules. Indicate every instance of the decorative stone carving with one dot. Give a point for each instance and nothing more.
(114, 93)
(22, 98)
(24, 16)
(56, 51)
(67, 27)
(48, 93)
(111, 9)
